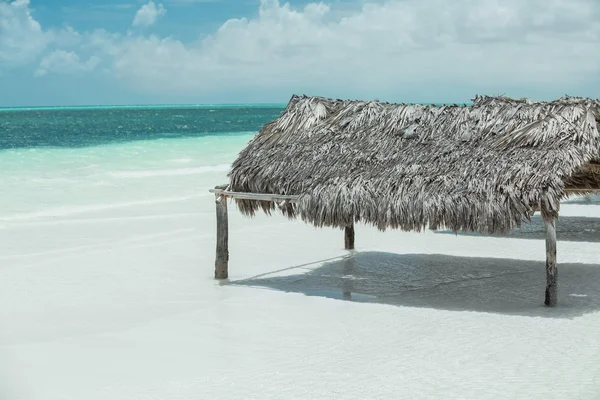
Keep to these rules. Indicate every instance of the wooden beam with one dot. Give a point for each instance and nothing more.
(254, 196)
(222, 256)
(349, 237)
(221, 190)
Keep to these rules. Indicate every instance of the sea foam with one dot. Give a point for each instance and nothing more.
(79, 209)
(169, 172)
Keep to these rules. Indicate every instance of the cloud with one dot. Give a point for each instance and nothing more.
(488, 44)
(420, 49)
(21, 36)
(65, 62)
(148, 14)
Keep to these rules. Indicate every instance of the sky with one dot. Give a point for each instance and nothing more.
(96, 52)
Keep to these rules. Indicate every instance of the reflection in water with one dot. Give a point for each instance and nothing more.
(349, 268)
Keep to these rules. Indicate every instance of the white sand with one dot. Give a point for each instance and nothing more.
(116, 301)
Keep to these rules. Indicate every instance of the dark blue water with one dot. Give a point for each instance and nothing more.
(81, 127)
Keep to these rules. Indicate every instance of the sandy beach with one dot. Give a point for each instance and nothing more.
(116, 300)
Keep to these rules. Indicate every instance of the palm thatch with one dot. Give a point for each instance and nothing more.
(485, 167)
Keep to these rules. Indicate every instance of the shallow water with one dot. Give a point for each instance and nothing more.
(61, 160)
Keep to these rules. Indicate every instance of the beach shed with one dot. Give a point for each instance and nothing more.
(485, 167)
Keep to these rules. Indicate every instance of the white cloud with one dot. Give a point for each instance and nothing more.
(383, 48)
(21, 36)
(65, 62)
(490, 44)
(148, 14)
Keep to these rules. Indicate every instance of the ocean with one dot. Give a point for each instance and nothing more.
(61, 160)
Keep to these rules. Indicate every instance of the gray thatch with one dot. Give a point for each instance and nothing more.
(484, 167)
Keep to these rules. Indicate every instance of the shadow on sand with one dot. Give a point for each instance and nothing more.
(568, 229)
(585, 200)
(444, 282)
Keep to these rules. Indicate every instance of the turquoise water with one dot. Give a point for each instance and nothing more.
(81, 127)
(66, 160)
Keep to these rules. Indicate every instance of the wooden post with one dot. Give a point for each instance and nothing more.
(551, 270)
(349, 237)
(222, 259)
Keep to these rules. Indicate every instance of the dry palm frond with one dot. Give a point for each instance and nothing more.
(483, 167)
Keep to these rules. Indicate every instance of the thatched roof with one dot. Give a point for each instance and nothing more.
(483, 167)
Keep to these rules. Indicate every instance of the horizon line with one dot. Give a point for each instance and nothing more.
(38, 107)
(175, 105)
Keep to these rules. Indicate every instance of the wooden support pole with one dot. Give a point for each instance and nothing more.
(551, 270)
(349, 237)
(222, 259)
